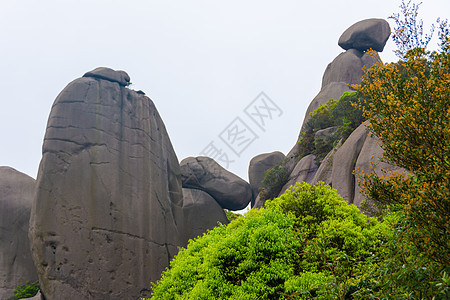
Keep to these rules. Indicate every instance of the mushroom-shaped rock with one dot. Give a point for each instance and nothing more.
(201, 213)
(108, 201)
(366, 34)
(16, 198)
(348, 66)
(258, 166)
(121, 77)
(203, 173)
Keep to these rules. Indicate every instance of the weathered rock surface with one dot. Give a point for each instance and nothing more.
(324, 172)
(333, 90)
(203, 173)
(120, 77)
(201, 213)
(104, 222)
(366, 34)
(303, 172)
(344, 161)
(371, 153)
(347, 67)
(16, 198)
(260, 164)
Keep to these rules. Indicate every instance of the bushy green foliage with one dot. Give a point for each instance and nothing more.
(342, 113)
(231, 215)
(274, 180)
(409, 111)
(27, 290)
(304, 244)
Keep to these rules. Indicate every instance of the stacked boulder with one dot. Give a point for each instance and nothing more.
(209, 188)
(108, 212)
(360, 149)
(16, 198)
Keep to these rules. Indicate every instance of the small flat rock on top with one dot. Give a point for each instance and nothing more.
(120, 77)
(366, 34)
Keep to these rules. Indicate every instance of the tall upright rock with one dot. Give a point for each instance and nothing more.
(16, 198)
(358, 152)
(104, 222)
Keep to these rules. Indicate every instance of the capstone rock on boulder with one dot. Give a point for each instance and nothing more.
(104, 222)
(16, 198)
(366, 34)
(203, 173)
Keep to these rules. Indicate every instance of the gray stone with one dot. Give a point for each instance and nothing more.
(303, 172)
(258, 166)
(324, 172)
(344, 161)
(16, 198)
(324, 133)
(201, 213)
(366, 34)
(120, 77)
(333, 90)
(104, 222)
(371, 154)
(347, 67)
(203, 173)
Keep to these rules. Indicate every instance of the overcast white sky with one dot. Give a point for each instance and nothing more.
(201, 62)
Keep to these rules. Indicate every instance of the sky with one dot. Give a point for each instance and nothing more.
(205, 64)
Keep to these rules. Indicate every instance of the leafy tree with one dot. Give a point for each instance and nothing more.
(306, 244)
(409, 110)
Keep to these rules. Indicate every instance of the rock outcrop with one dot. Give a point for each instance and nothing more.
(258, 166)
(16, 198)
(108, 204)
(201, 213)
(203, 173)
(365, 35)
(359, 150)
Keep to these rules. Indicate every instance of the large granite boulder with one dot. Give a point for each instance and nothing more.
(258, 166)
(201, 213)
(344, 160)
(203, 173)
(104, 222)
(369, 159)
(366, 34)
(348, 66)
(303, 172)
(16, 198)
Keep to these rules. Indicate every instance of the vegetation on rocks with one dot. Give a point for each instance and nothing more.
(27, 290)
(341, 113)
(310, 244)
(409, 109)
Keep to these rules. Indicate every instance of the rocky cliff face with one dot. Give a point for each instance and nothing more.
(360, 150)
(16, 198)
(108, 204)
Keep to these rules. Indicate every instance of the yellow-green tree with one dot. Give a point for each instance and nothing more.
(409, 110)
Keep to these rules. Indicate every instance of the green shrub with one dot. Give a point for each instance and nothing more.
(27, 290)
(343, 113)
(273, 182)
(300, 246)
